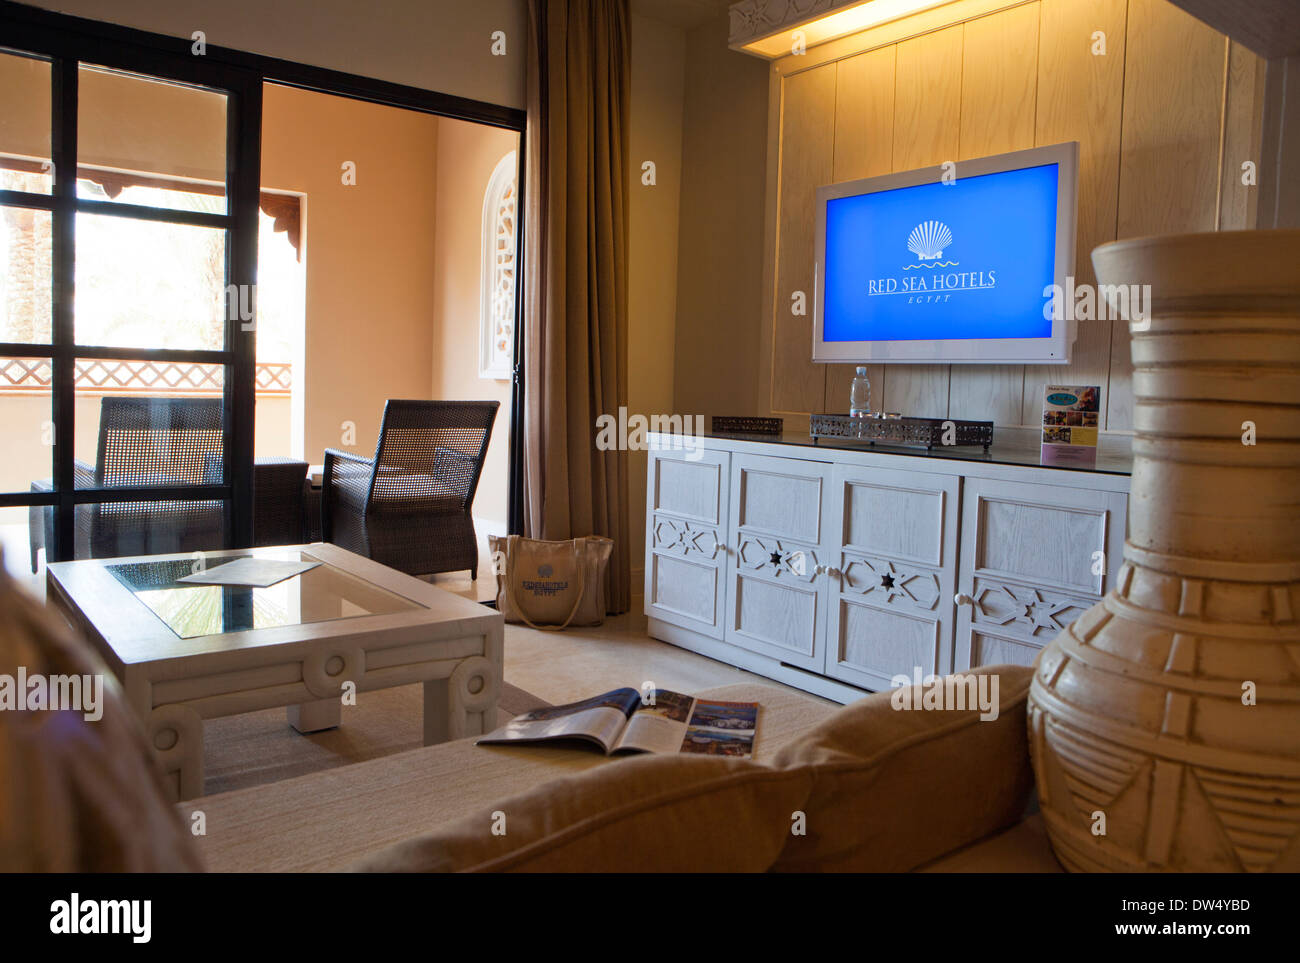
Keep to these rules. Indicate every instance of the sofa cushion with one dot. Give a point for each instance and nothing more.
(894, 789)
(879, 789)
(1024, 848)
(652, 814)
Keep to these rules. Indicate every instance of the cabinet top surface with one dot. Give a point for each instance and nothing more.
(1004, 451)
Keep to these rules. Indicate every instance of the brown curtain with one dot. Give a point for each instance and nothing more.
(575, 293)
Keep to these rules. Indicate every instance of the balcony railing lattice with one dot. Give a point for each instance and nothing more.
(166, 377)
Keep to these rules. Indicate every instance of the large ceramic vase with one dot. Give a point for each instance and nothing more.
(1164, 723)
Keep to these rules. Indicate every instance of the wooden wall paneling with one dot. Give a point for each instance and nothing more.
(927, 125)
(771, 231)
(1169, 156)
(864, 147)
(807, 145)
(999, 81)
(1242, 133)
(1081, 97)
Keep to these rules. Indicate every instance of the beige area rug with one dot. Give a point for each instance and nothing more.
(260, 747)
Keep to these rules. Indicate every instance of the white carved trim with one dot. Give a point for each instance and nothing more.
(1037, 613)
(498, 276)
(681, 539)
(776, 557)
(754, 19)
(886, 581)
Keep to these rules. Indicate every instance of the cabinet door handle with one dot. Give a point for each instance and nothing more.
(833, 572)
(961, 598)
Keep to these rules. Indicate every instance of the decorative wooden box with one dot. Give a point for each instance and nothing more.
(747, 424)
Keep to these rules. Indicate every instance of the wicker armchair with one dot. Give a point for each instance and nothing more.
(409, 506)
(168, 441)
(146, 442)
(280, 501)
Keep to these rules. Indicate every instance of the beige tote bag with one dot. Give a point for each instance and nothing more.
(551, 585)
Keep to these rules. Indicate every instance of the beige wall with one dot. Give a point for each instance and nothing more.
(655, 135)
(467, 155)
(124, 122)
(1164, 119)
(369, 251)
(442, 45)
(720, 263)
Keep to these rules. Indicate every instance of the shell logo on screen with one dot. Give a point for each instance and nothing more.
(928, 240)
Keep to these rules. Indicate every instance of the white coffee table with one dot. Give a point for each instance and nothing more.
(185, 653)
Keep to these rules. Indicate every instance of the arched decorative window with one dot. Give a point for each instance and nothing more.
(497, 281)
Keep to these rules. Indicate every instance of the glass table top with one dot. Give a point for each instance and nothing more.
(320, 594)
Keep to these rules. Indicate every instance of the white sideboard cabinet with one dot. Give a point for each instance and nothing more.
(836, 569)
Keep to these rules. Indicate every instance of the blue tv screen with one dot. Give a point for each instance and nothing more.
(966, 259)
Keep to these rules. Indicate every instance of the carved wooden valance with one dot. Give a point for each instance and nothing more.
(285, 209)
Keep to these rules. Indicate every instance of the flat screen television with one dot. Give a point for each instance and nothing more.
(951, 264)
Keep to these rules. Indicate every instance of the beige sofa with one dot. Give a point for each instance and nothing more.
(880, 790)
(863, 787)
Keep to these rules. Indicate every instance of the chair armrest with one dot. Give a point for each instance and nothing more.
(345, 486)
(213, 470)
(83, 474)
(441, 452)
(335, 455)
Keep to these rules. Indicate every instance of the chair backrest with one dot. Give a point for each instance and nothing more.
(158, 441)
(431, 451)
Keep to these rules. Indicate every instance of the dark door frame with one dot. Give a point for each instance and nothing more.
(66, 40)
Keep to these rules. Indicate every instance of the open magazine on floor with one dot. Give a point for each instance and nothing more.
(625, 720)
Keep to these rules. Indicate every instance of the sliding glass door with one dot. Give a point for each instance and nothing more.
(128, 250)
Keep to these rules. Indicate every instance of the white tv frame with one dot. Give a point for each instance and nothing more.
(1054, 349)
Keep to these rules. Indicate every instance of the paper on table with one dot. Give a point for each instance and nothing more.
(256, 572)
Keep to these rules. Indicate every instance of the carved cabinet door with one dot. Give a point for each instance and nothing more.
(893, 574)
(1033, 559)
(778, 551)
(686, 541)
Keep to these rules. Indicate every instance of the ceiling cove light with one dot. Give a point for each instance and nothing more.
(777, 28)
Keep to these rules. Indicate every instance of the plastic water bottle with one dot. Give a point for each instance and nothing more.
(860, 395)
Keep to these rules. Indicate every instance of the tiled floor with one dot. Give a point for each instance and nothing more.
(567, 666)
(571, 665)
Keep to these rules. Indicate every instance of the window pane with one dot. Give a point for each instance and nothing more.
(147, 423)
(25, 124)
(26, 272)
(27, 432)
(149, 284)
(150, 142)
(26, 424)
